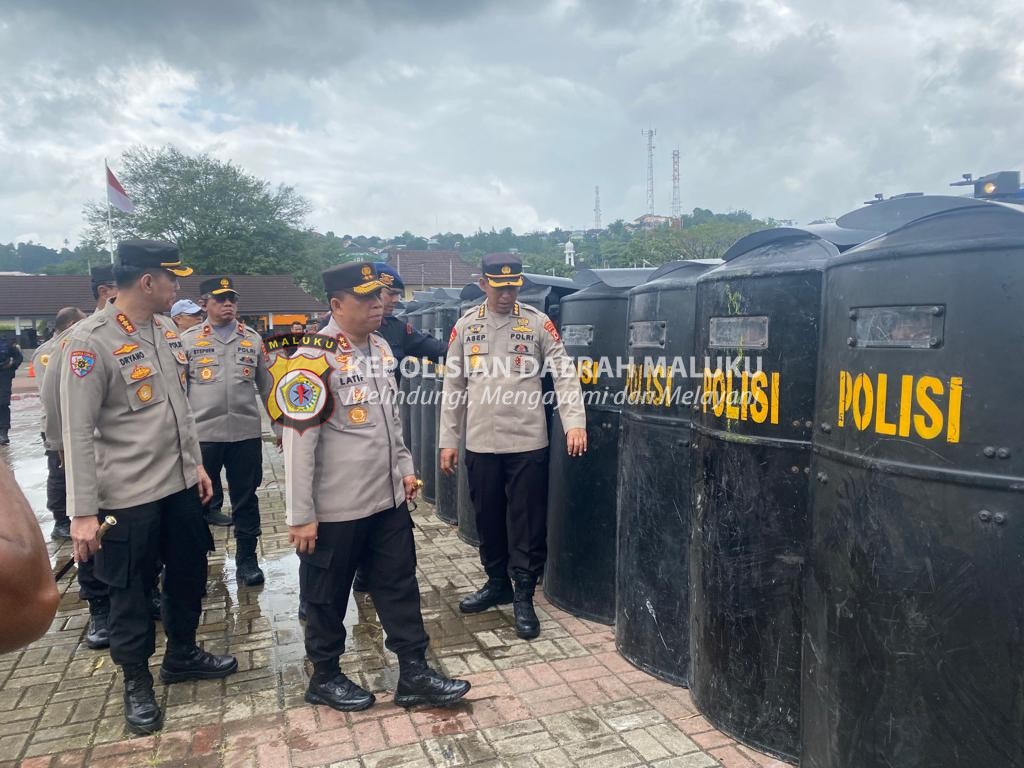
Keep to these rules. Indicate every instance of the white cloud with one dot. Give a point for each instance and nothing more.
(401, 115)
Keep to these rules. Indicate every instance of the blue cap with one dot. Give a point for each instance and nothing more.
(185, 307)
(389, 276)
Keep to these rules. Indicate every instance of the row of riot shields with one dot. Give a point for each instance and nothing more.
(802, 493)
(803, 506)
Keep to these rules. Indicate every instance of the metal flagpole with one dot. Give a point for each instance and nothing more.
(110, 225)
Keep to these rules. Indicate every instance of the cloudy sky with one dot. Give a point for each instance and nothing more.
(462, 114)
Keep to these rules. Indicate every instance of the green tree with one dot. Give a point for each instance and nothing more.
(221, 218)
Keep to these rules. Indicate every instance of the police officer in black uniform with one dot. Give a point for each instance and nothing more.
(10, 358)
(404, 340)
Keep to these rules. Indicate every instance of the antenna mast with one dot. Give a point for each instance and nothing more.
(650, 133)
(597, 207)
(677, 205)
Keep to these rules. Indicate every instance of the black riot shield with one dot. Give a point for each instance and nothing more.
(757, 340)
(426, 459)
(655, 490)
(580, 573)
(914, 617)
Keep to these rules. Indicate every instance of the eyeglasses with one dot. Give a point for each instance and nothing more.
(232, 297)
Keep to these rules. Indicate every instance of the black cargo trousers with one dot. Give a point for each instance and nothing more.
(509, 492)
(171, 529)
(382, 546)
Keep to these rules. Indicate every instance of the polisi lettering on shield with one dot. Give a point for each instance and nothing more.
(742, 397)
(925, 407)
(650, 384)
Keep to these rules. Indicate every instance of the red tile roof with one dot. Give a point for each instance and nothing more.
(443, 269)
(43, 295)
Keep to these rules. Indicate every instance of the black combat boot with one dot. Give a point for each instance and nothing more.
(97, 635)
(61, 530)
(419, 684)
(141, 712)
(247, 570)
(330, 687)
(496, 591)
(527, 623)
(192, 663)
(217, 518)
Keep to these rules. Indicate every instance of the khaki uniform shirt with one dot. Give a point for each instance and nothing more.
(48, 351)
(352, 465)
(224, 377)
(492, 381)
(128, 433)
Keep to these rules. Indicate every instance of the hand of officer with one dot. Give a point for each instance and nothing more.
(449, 460)
(576, 441)
(205, 486)
(411, 487)
(84, 541)
(303, 537)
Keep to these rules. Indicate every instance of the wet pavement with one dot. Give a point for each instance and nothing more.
(565, 699)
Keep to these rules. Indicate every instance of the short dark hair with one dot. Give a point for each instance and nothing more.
(67, 317)
(126, 277)
(96, 289)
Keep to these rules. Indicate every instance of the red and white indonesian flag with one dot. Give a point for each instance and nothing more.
(116, 195)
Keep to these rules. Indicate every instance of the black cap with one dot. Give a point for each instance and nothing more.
(389, 276)
(102, 275)
(147, 254)
(217, 286)
(358, 277)
(503, 270)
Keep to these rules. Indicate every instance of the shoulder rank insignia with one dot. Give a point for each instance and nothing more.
(140, 372)
(483, 309)
(343, 343)
(82, 363)
(241, 327)
(124, 349)
(454, 335)
(126, 325)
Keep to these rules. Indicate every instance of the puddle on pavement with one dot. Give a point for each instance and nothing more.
(277, 600)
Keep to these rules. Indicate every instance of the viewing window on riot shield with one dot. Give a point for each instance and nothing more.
(739, 332)
(650, 333)
(577, 335)
(910, 327)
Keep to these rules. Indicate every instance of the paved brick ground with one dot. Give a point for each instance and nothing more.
(566, 699)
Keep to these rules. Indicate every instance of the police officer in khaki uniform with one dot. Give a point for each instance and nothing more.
(130, 451)
(56, 490)
(226, 368)
(348, 483)
(498, 350)
(90, 588)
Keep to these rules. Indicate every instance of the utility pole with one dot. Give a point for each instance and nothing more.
(677, 205)
(650, 133)
(597, 207)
